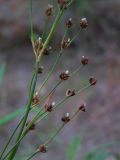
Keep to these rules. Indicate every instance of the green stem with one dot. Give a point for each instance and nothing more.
(55, 134)
(50, 73)
(45, 29)
(55, 24)
(36, 152)
(48, 141)
(10, 139)
(27, 110)
(76, 35)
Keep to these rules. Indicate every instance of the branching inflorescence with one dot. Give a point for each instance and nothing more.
(41, 48)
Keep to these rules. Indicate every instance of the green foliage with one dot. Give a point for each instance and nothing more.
(97, 155)
(2, 72)
(15, 114)
(83, 5)
(73, 148)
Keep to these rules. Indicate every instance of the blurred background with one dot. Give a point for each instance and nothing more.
(94, 135)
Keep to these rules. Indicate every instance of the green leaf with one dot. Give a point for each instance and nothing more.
(31, 22)
(9, 117)
(2, 72)
(73, 148)
(97, 155)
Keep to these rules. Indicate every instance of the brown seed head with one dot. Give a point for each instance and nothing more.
(49, 107)
(84, 60)
(83, 23)
(65, 43)
(69, 23)
(42, 148)
(65, 75)
(32, 127)
(70, 93)
(66, 118)
(38, 44)
(35, 100)
(47, 51)
(92, 81)
(82, 107)
(63, 4)
(49, 10)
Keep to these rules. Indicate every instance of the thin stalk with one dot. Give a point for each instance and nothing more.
(7, 144)
(54, 88)
(48, 141)
(66, 31)
(45, 29)
(27, 110)
(55, 24)
(54, 135)
(75, 71)
(50, 73)
(75, 36)
(82, 89)
(53, 67)
(31, 22)
(36, 152)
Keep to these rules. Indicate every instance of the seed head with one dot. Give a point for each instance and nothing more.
(82, 107)
(42, 148)
(38, 44)
(83, 23)
(65, 43)
(49, 107)
(49, 10)
(35, 100)
(70, 93)
(40, 69)
(69, 23)
(47, 51)
(65, 75)
(32, 127)
(66, 118)
(92, 81)
(63, 4)
(84, 60)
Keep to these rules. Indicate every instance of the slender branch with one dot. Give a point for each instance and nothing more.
(55, 24)
(50, 73)
(12, 135)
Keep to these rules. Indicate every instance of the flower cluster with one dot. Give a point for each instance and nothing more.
(41, 48)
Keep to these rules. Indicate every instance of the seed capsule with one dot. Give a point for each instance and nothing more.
(38, 44)
(84, 60)
(49, 10)
(40, 69)
(70, 93)
(66, 118)
(32, 127)
(82, 107)
(92, 81)
(63, 4)
(69, 23)
(47, 51)
(35, 100)
(49, 107)
(65, 43)
(83, 23)
(42, 148)
(65, 75)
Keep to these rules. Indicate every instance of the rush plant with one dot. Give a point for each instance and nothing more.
(41, 47)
